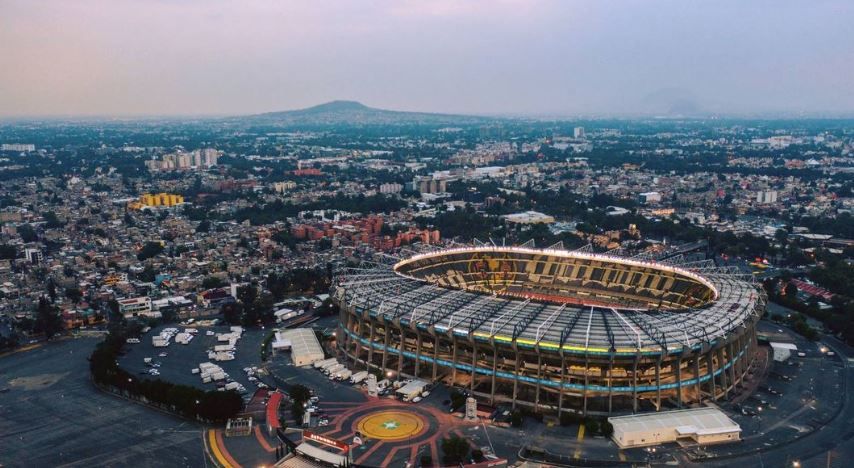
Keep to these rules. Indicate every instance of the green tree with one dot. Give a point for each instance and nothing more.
(27, 233)
(51, 220)
(232, 313)
(455, 449)
(150, 249)
(51, 290)
(791, 290)
(48, 320)
(8, 252)
(73, 294)
(211, 282)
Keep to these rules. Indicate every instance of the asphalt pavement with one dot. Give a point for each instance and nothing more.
(52, 415)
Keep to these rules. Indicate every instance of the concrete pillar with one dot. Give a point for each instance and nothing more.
(454, 360)
(710, 359)
(586, 384)
(539, 376)
(494, 370)
(385, 349)
(371, 347)
(635, 384)
(400, 350)
(515, 376)
(417, 352)
(610, 383)
(562, 382)
(473, 362)
(435, 353)
(658, 384)
(697, 386)
(679, 381)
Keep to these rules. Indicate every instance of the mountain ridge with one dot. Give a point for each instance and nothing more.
(354, 112)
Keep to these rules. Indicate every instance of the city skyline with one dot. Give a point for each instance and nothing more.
(566, 59)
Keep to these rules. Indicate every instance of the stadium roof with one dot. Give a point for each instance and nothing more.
(572, 328)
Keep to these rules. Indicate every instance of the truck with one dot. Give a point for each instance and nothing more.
(333, 369)
(232, 386)
(323, 362)
(159, 342)
(412, 390)
(358, 377)
(329, 365)
(343, 374)
(224, 355)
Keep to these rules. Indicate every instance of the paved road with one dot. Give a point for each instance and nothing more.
(831, 445)
(53, 416)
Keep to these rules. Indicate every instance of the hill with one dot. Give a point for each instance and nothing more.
(356, 113)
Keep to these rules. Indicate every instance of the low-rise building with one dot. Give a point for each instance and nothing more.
(700, 426)
(135, 306)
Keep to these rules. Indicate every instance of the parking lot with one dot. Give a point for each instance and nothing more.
(52, 415)
(180, 359)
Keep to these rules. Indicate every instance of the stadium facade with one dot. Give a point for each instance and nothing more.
(552, 329)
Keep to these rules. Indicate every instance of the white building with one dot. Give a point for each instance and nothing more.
(529, 217)
(695, 426)
(305, 349)
(391, 188)
(33, 256)
(136, 306)
(649, 198)
(17, 147)
(782, 351)
(578, 133)
(282, 187)
(766, 196)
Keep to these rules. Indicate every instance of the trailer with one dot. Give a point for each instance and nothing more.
(343, 374)
(358, 377)
(412, 389)
(224, 356)
(329, 365)
(333, 369)
(321, 363)
(159, 342)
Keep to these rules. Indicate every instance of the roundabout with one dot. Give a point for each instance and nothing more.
(391, 425)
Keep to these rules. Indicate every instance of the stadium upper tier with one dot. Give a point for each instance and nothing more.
(554, 299)
(562, 277)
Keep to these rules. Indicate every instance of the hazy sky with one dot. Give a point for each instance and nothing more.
(124, 57)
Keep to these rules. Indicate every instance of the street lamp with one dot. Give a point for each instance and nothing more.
(796, 464)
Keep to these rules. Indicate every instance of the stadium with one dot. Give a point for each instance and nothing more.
(552, 329)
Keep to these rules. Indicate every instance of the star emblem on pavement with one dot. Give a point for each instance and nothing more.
(391, 425)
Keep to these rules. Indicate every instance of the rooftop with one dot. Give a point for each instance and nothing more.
(689, 421)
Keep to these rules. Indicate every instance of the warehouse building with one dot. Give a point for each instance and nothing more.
(303, 344)
(700, 426)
